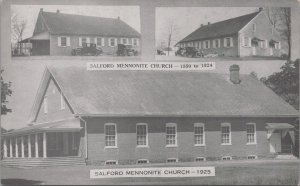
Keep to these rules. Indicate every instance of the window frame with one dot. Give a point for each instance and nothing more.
(116, 135)
(142, 124)
(171, 125)
(65, 37)
(204, 159)
(110, 161)
(176, 160)
(225, 158)
(230, 42)
(229, 136)
(203, 134)
(255, 157)
(137, 161)
(254, 134)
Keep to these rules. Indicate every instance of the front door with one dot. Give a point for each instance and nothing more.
(275, 143)
(66, 143)
(254, 50)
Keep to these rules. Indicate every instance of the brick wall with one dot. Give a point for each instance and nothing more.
(127, 152)
(56, 50)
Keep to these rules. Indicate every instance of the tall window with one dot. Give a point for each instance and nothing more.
(206, 44)
(99, 41)
(247, 41)
(251, 133)
(45, 105)
(63, 41)
(110, 135)
(135, 41)
(199, 138)
(225, 134)
(228, 42)
(124, 41)
(112, 42)
(216, 43)
(171, 134)
(141, 134)
(83, 40)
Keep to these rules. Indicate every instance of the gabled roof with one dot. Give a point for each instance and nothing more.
(165, 93)
(59, 23)
(222, 28)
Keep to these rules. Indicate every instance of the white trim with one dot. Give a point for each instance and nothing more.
(171, 125)
(59, 41)
(142, 124)
(255, 140)
(62, 101)
(79, 41)
(204, 44)
(45, 104)
(116, 135)
(230, 140)
(203, 126)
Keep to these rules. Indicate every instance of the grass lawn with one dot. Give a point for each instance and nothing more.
(255, 172)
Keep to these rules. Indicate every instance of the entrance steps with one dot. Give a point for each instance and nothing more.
(286, 157)
(42, 162)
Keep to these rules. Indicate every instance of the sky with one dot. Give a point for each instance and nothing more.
(129, 14)
(188, 19)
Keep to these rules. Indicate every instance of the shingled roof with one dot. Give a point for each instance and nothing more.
(222, 28)
(59, 23)
(165, 93)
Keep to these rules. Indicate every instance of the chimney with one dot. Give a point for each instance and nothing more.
(260, 9)
(208, 23)
(235, 74)
(57, 11)
(41, 9)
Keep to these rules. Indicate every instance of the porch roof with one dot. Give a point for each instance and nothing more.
(57, 126)
(279, 126)
(256, 39)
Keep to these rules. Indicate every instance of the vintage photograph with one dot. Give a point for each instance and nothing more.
(74, 30)
(223, 33)
(218, 105)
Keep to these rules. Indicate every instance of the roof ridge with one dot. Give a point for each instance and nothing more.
(79, 15)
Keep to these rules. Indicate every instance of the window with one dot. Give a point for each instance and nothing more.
(254, 27)
(171, 134)
(228, 42)
(141, 134)
(200, 159)
(111, 162)
(99, 41)
(246, 41)
(251, 133)
(63, 41)
(124, 41)
(171, 160)
(112, 42)
(216, 43)
(199, 137)
(142, 161)
(135, 42)
(45, 105)
(62, 102)
(226, 158)
(251, 157)
(110, 135)
(206, 44)
(225, 134)
(83, 40)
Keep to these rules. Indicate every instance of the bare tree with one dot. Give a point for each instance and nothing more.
(18, 27)
(280, 18)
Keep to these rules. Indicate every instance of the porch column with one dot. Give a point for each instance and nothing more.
(10, 147)
(36, 146)
(16, 147)
(44, 145)
(5, 147)
(29, 147)
(22, 146)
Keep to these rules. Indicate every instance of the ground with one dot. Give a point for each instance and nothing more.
(235, 172)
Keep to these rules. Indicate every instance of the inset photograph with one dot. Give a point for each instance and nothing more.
(223, 33)
(49, 30)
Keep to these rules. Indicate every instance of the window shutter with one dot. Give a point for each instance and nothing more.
(59, 41)
(88, 40)
(102, 41)
(249, 42)
(279, 45)
(95, 41)
(231, 42)
(266, 43)
(79, 41)
(208, 43)
(68, 41)
(116, 40)
(219, 43)
(224, 42)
